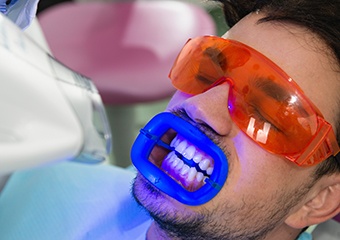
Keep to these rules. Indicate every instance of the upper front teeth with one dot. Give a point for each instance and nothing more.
(181, 146)
(205, 163)
(189, 153)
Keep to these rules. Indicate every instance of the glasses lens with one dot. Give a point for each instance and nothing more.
(263, 101)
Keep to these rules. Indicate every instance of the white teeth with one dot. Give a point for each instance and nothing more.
(192, 174)
(197, 158)
(175, 162)
(171, 156)
(181, 147)
(189, 152)
(178, 169)
(174, 143)
(185, 170)
(199, 176)
(210, 170)
(179, 165)
(204, 164)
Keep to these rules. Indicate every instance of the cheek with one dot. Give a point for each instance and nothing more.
(257, 174)
(254, 169)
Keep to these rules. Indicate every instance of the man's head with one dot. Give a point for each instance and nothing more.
(265, 196)
(320, 20)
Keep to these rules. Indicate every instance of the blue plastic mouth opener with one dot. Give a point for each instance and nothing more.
(150, 136)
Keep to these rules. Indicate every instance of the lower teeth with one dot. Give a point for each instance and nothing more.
(187, 176)
(187, 165)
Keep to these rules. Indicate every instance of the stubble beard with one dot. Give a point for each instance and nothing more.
(226, 221)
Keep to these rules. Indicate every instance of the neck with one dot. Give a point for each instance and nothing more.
(282, 233)
(155, 233)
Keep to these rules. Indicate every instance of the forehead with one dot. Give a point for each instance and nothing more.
(299, 53)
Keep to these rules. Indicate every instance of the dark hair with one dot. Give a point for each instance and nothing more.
(318, 16)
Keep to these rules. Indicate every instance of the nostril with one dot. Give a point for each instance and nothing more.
(211, 109)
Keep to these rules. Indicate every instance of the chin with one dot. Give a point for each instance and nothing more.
(152, 199)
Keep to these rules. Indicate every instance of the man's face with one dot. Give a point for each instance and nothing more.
(262, 189)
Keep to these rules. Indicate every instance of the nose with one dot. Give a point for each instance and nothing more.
(211, 108)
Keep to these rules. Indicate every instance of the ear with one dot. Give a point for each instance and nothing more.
(322, 204)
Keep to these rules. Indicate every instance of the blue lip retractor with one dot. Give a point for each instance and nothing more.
(151, 135)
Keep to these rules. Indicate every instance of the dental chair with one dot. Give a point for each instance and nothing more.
(127, 49)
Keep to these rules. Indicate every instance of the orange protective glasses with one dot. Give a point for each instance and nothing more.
(264, 102)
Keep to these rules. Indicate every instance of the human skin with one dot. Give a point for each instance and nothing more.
(265, 196)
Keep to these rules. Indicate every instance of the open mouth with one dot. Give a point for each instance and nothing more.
(186, 164)
(179, 159)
